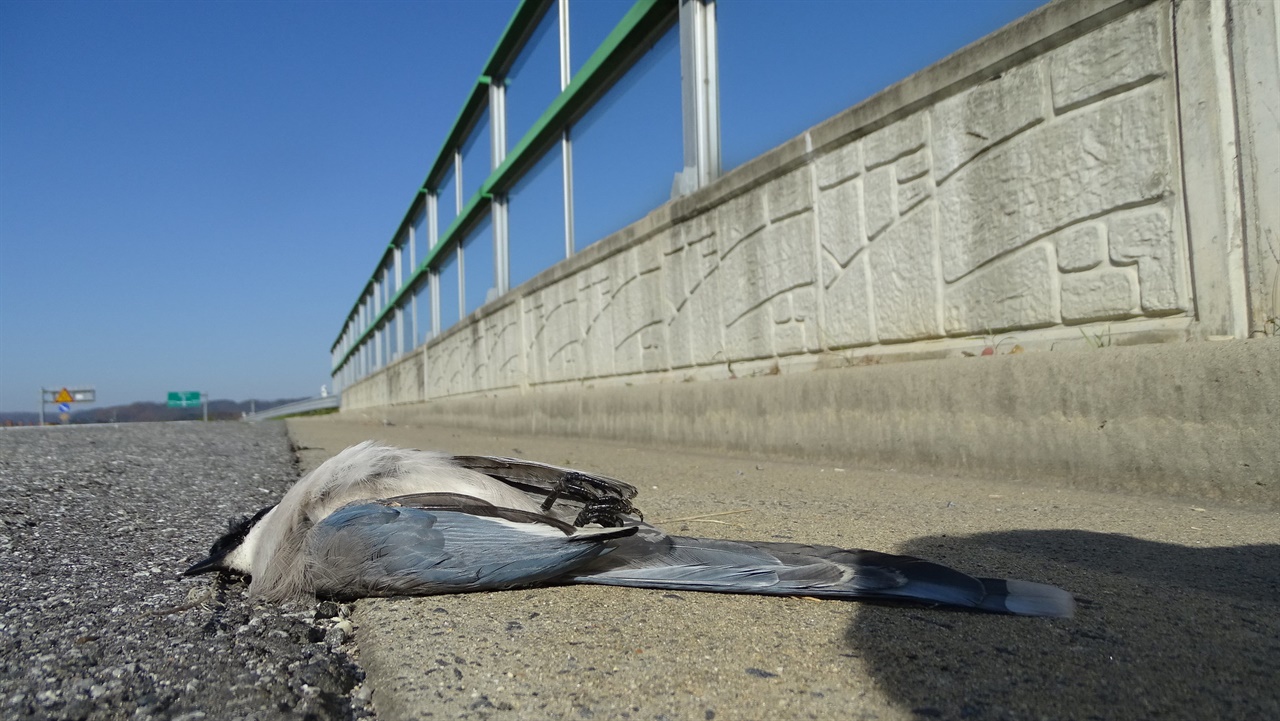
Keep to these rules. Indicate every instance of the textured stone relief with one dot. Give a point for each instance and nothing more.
(1145, 237)
(450, 370)
(596, 330)
(1033, 173)
(764, 268)
(894, 141)
(1082, 165)
(1117, 56)
(636, 315)
(904, 279)
(691, 307)
(969, 123)
(794, 315)
(1040, 197)
(839, 165)
(696, 333)
(847, 318)
(554, 343)
(739, 218)
(1102, 294)
(877, 200)
(501, 349)
(1081, 247)
(789, 195)
(1016, 291)
(840, 221)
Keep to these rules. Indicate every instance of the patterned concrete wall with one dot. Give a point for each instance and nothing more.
(1044, 197)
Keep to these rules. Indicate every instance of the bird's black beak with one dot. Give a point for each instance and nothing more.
(207, 565)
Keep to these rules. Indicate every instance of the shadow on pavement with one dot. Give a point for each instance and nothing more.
(1163, 631)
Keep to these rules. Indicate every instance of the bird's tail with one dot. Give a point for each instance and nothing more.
(652, 559)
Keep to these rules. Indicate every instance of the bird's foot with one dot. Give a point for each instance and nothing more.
(601, 504)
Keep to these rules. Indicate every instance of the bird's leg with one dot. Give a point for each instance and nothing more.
(551, 500)
(600, 507)
(608, 512)
(573, 484)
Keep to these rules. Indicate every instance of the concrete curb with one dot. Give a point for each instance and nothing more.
(1198, 420)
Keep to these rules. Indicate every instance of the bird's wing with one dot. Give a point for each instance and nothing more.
(572, 496)
(543, 479)
(443, 543)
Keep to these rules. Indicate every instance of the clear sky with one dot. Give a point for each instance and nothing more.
(192, 194)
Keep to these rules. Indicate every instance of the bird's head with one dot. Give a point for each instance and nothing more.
(234, 550)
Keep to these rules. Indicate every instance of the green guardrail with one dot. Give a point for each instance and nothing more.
(619, 51)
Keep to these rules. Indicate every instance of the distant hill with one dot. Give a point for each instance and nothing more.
(143, 412)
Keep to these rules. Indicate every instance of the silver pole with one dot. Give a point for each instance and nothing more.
(700, 94)
(502, 244)
(462, 262)
(457, 186)
(498, 153)
(433, 237)
(413, 265)
(42, 406)
(566, 146)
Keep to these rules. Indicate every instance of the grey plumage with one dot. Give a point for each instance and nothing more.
(379, 521)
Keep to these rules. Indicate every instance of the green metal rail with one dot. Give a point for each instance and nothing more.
(630, 38)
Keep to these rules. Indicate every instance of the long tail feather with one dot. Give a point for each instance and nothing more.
(651, 559)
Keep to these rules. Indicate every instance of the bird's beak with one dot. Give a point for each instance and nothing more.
(207, 565)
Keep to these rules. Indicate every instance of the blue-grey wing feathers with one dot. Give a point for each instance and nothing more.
(372, 549)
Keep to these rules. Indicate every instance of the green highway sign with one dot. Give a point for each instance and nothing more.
(184, 399)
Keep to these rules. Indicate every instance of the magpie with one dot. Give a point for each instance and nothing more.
(375, 520)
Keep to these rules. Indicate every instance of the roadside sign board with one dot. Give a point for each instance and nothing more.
(184, 399)
(68, 395)
(63, 397)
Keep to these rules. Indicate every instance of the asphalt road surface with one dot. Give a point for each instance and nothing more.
(98, 521)
(1179, 614)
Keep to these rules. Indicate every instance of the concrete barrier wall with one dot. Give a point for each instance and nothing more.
(1196, 420)
(400, 382)
(1067, 182)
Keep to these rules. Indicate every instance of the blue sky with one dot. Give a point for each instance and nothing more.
(192, 194)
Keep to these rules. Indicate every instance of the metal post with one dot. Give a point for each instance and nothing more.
(498, 148)
(700, 95)
(566, 146)
(497, 122)
(501, 243)
(433, 217)
(42, 406)
(413, 265)
(462, 268)
(204, 399)
(457, 185)
(434, 278)
(399, 311)
(462, 283)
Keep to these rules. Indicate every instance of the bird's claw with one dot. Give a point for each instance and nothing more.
(600, 504)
